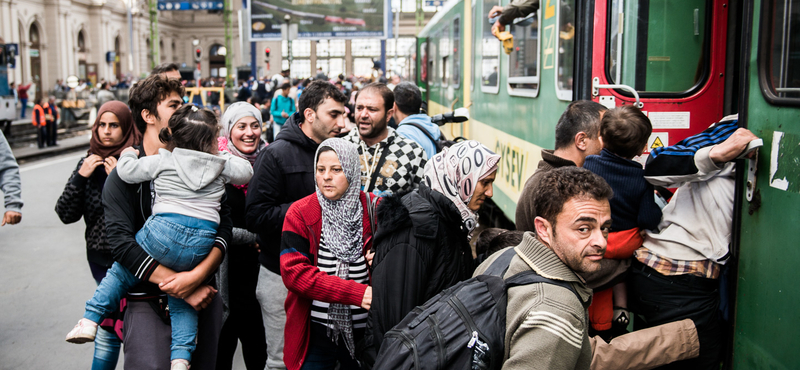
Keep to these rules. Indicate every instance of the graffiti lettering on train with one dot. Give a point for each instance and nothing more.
(512, 166)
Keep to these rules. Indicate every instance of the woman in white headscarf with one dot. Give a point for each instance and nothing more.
(422, 241)
(325, 237)
(238, 274)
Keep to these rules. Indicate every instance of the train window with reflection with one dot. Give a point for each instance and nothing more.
(565, 51)
(444, 54)
(659, 46)
(423, 62)
(523, 62)
(490, 53)
(456, 69)
(779, 54)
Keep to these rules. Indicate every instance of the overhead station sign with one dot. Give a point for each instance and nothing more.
(190, 5)
(320, 19)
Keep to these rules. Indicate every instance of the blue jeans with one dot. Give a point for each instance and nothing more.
(178, 242)
(24, 107)
(106, 344)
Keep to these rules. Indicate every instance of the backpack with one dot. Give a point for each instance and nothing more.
(463, 327)
(439, 143)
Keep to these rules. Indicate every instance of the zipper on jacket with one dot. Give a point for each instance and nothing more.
(407, 341)
(464, 314)
(439, 339)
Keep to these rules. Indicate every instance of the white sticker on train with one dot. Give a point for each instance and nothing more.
(669, 120)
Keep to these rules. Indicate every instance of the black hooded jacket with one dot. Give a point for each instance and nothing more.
(282, 174)
(420, 250)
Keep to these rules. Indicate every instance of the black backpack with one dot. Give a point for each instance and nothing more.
(463, 327)
(439, 143)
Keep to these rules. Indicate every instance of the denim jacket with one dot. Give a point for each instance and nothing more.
(10, 183)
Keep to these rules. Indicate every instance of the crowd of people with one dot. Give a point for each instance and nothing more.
(313, 251)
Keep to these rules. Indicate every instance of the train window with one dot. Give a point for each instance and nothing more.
(475, 22)
(444, 53)
(779, 54)
(523, 62)
(423, 62)
(565, 52)
(456, 60)
(490, 54)
(659, 46)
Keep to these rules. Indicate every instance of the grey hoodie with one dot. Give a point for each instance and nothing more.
(10, 182)
(187, 182)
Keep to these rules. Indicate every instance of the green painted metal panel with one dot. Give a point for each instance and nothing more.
(767, 302)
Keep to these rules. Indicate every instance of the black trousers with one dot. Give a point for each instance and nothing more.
(657, 299)
(244, 321)
(52, 133)
(41, 136)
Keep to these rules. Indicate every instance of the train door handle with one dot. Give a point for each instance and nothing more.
(596, 86)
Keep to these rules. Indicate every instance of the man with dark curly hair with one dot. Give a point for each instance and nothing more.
(127, 206)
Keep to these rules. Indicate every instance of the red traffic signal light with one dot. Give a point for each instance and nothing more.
(266, 52)
(198, 53)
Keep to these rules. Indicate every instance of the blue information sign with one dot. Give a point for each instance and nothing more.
(190, 5)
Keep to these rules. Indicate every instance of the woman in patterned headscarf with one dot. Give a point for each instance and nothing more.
(325, 237)
(422, 242)
(112, 132)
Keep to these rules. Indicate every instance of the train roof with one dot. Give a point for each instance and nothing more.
(437, 17)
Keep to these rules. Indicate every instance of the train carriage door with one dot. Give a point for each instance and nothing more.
(767, 297)
(665, 56)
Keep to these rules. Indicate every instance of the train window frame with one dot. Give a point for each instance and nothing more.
(526, 92)
(496, 88)
(455, 46)
(765, 57)
(475, 19)
(444, 43)
(561, 94)
(701, 82)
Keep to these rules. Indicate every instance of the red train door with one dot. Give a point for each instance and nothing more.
(668, 53)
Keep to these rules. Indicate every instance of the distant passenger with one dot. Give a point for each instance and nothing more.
(577, 136)
(168, 70)
(51, 115)
(282, 108)
(413, 124)
(675, 274)
(624, 131)
(390, 163)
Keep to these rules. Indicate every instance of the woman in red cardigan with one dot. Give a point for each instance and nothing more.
(325, 237)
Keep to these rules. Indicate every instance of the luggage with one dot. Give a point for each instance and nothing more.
(463, 327)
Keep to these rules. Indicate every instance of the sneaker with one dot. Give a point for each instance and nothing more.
(83, 332)
(179, 364)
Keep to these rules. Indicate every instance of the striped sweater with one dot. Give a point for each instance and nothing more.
(303, 278)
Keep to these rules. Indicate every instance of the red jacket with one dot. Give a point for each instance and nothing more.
(22, 91)
(305, 282)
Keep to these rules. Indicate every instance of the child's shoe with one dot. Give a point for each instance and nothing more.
(83, 332)
(179, 364)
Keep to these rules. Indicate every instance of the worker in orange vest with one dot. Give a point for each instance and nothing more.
(40, 123)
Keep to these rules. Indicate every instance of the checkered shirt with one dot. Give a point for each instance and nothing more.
(403, 168)
(669, 267)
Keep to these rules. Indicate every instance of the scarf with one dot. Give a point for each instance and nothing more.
(342, 226)
(232, 115)
(456, 170)
(130, 134)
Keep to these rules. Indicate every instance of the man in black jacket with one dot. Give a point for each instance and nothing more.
(283, 174)
(127, 206)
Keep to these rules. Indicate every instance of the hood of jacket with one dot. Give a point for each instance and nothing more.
(196, 169)
(291, 132)
(422, 209)
(425, 121)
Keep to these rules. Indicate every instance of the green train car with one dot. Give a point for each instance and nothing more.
(687, 64)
